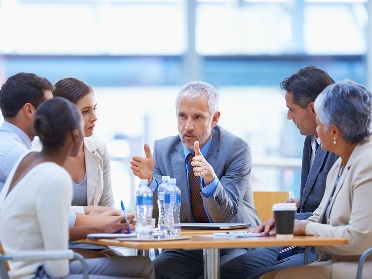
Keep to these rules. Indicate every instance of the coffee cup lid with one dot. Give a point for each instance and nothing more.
(284, 206)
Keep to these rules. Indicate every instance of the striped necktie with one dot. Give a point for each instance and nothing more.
(195, 195)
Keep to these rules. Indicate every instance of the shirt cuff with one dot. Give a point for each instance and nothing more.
(78, 209)
(153, 185)
(209, 189)
(71, 219)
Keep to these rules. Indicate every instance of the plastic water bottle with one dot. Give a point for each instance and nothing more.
(172, 205)
(161, 220)
(144, 208)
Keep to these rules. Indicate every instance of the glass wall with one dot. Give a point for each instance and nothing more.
(137, 54)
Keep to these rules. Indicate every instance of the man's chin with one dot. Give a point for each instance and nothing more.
(189, 143)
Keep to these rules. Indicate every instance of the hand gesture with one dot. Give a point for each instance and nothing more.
(266, 228)
(143, 166)
(111, 212)
(201, 167)
(118, 224)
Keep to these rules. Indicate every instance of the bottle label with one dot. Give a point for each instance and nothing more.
(139, 200)
(147, 200)
(160, 195)
(172, 198)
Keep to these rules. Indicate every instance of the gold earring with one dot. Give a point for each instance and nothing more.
(334, 140)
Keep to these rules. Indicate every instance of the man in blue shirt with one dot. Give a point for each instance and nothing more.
(24, 93)
(221, 161)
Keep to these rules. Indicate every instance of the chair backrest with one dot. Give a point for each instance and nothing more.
(40, 256)
(264, 200)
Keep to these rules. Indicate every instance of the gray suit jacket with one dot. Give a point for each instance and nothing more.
(230, 158)
(313, 180)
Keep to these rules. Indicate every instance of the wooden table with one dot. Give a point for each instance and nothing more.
(211, 246)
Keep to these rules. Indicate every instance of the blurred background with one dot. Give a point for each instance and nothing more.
(137, 54)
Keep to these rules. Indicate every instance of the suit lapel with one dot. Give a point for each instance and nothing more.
(92, 165)
(306, 160)
(314, 171)
(213, 149)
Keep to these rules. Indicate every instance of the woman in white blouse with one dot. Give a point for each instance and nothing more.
(36, 198)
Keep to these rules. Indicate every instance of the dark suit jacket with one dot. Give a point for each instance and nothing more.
(230, 158)
(313, 180)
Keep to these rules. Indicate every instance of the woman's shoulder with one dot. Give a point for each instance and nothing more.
(93, 144)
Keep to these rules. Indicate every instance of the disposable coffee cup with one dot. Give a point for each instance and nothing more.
(284, 214)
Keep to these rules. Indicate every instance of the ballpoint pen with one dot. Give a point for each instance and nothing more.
(125, 213)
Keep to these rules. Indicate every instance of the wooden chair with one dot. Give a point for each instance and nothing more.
(38, 256)
(264, 200)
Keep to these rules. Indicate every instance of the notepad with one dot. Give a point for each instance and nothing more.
(214, 226)
(111, 235)
(238, 234)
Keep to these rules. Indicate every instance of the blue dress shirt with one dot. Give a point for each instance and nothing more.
(13, 144)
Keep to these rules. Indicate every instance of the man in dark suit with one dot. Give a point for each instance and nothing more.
(301, 88)
(221, 162)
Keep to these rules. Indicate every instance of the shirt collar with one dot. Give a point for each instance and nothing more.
(9, 127)
(204, 150)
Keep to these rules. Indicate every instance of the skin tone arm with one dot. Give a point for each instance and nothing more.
(97, 209)
(269, 227)
(86, 224)
(143, 166)
(201, 167)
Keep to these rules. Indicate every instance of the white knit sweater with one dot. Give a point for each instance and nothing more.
(34, 216)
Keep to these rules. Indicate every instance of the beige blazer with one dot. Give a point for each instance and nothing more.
(97, 163)
(350, 213)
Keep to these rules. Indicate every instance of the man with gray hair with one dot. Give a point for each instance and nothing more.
(219, 160)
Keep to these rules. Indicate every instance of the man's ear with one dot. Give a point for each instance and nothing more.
(215, 118)
(312, 106)
(28, 110)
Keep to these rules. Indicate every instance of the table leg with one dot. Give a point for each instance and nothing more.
(211, 263)
(145, 253)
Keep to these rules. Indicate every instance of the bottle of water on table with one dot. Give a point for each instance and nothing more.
(161, 219)
(144, 208)
(172, 205)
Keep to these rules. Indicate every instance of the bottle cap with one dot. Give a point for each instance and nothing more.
(172, 180)
(144, 182)
(165, 178)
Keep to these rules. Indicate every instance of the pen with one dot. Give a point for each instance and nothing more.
(125, 213)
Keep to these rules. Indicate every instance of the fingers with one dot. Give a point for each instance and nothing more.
(258, 229)
(147, 149)
(266, 227)
(112, 212)
(197, 148)
(120, 219)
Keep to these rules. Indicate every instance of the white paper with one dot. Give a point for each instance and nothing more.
(237, 234)
(111, 235)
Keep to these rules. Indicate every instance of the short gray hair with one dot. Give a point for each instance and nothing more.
(347, 105)
(200, 88)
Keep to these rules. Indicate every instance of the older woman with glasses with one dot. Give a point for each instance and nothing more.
(344, 127)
